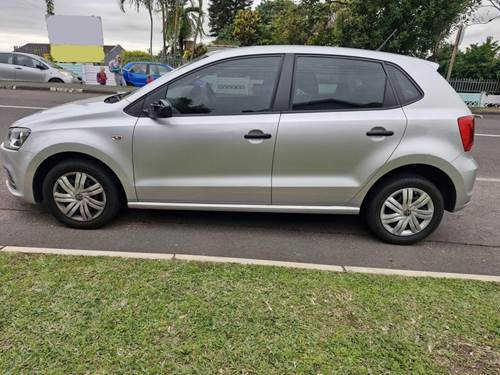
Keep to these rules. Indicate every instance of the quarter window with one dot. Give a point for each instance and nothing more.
(230, 87)
(329, 83)
(408, 92)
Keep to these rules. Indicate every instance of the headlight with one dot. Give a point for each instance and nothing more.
(16, 138)
(67, 74)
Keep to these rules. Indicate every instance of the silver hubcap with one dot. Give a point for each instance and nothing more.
(407, 211)
(79, 196)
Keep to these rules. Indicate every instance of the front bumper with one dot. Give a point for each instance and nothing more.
(19, 178)
(467, 167)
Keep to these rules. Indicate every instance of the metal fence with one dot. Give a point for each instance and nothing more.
(476, 85)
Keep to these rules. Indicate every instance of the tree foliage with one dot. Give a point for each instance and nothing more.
(418, 26)
(222, 13)
(49, 4)
(246, 25)
(128, 56)
(478, 61)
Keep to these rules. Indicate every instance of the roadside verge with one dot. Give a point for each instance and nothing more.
(255, 262)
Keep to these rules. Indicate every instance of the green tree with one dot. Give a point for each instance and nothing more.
(419, 25)
(269, 10)
(182, 20)
(246, 26)
(478, 61)
(49, 4)
(221, 13)
(149, 5)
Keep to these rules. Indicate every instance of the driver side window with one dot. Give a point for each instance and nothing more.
(230, 87)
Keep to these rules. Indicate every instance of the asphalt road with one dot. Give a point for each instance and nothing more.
(466, 242)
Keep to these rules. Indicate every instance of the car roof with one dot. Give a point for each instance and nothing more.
(319, 50)
(146, 62)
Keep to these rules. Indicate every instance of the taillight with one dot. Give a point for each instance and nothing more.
(466, 127)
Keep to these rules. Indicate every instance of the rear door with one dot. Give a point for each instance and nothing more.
(342, 125)
(27, 69)
(138, 74)
(7, 70)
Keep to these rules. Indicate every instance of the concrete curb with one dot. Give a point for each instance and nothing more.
(257, 262)
(63, 87)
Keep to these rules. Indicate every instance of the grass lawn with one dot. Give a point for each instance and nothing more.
(75, 315)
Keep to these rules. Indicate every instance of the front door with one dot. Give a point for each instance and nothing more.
(342, 126)
(27, 69)
(218, 146)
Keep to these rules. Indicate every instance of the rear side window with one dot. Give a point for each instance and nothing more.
(5, 58)
(331, 83)
(407, 91)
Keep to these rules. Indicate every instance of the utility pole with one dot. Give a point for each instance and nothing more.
(458, 40)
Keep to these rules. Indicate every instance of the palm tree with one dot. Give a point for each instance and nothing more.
(50, 7)
(149, 5)
(199, 28)
(181, 21)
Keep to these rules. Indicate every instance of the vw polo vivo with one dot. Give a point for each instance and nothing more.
(273, 128)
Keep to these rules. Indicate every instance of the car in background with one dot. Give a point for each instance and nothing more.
(15, 66)
(136, 73)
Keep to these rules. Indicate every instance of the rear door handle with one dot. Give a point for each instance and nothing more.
(379, 131)
(257, 134)
(19, 68)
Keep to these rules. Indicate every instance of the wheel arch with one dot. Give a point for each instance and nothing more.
(434, 174)
(54, 159)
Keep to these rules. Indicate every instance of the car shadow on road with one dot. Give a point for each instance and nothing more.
(312, 223)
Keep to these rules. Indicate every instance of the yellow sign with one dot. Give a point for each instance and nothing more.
(76, 53)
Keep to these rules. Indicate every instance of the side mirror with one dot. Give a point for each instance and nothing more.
(41, 66)
(160, 109)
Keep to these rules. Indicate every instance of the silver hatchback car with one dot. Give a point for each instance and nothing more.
(16, 66)
(269, 129)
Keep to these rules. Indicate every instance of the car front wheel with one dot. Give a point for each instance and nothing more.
(81, 194)
(405, 210)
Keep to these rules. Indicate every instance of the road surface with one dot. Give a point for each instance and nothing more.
(466, 242)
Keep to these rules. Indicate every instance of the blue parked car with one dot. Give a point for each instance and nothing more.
(136, 73)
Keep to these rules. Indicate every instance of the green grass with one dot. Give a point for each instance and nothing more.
(108, 315)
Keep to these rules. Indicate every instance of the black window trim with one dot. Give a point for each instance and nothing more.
(272, 110)
(381, 62)
(396, 87)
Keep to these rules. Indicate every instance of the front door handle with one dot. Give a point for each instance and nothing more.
(17, 68)
(379, 131)
(257, 134)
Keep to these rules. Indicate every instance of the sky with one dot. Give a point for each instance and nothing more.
(23, 21)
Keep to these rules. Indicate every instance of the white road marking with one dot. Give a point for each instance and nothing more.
(259, 262)
(488, 135)
(20, 107)
(485, 179)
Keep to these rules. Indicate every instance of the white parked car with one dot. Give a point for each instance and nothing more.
(15, 66)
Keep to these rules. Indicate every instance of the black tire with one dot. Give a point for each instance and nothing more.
(377, 198)
(112, 193)
(56, 80)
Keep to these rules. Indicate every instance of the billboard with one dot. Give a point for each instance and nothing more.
(75, 38)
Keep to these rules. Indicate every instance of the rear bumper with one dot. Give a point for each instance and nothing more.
(467, 167)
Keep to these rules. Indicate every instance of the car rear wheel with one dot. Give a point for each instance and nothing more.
(405, 210)
(81, 194)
